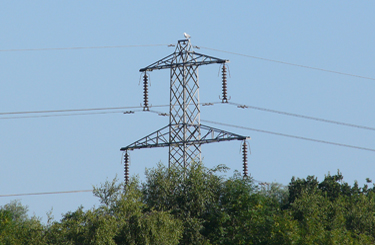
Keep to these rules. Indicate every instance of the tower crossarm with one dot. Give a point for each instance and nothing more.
(159, 138)
(210, 134)
(194, 59)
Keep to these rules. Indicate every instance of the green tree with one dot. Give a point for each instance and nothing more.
(245, 214)
(17, 228)
(200, 206)
(141, 224)
(187, 194)
(122, 218)
(332, 212)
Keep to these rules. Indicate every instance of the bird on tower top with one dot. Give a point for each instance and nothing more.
(186, 35)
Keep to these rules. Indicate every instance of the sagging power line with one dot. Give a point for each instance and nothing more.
(87, 47)
(170, 45)
(109, 110)
(120, 110)
(243, 106)
(290, 136)
(280, 134)
(44, 193)
(86, 191)
(291, 64)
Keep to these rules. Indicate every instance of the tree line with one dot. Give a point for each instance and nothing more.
(202, 206)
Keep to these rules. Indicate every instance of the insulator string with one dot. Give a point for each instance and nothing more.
(145, 92)
(126, 168)
(244, 151)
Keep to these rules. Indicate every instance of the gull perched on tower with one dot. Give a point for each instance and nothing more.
(186, 35)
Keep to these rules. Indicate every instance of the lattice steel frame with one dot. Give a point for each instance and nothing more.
(184, 137)
(184, 108)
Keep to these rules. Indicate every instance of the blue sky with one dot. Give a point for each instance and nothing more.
(77, 152)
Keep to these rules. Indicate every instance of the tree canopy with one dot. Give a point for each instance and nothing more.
(202, 206)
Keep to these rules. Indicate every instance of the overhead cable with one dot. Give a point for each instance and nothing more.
(301, 116)
(290, 136)
(75, 48)
(291, 64)
(61, 115)
(67, 112)
(85, 191)
(44, 193)
(281, 134)
(109, 110)
(218, 50)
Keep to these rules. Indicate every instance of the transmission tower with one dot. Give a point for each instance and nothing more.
(184, 134)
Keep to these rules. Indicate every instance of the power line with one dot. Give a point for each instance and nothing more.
(213, 122)
(302, 116)
(291, 136)
(62, 115)
(83, 191)
(281, 134)
(109, 110)
(218, 50)
(92, 111)
(76, 48)
(291, 64)
(85, 111)
(56, 113)
(70, 110)
(296, 115)
(45, 193)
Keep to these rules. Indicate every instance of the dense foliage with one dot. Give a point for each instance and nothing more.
(200, 206)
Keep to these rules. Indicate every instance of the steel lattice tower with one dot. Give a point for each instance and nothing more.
(184, 111)
(184, 134)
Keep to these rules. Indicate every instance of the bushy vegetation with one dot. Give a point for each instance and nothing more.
(200, 206)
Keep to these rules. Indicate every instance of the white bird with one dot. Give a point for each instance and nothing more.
(186, 35)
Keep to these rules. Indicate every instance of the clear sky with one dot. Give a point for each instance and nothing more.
(64, 153)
